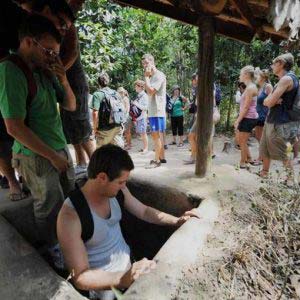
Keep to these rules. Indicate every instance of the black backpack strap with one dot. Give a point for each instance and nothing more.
(120, 197)
(84, 212)
(31, 84)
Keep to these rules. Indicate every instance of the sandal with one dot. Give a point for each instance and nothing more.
(244, 166)
(17, 196)
(255, 162)
(263, 173)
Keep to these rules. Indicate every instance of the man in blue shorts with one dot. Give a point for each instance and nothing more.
(155, 85)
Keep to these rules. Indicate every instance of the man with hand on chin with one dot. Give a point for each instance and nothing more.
(40, 151)
(155, 86)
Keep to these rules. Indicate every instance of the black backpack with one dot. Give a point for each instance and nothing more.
(294, 112)
(31, 84)
(170, 104)
(134, 111)
(111, 111)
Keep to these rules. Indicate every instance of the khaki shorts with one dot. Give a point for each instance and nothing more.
(48, 188)
(276, 139)
(194, 128)
(111, 136)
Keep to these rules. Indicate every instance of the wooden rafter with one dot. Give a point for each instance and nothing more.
(265, 26)
(237, 19)
(246, 13)
(238, 32)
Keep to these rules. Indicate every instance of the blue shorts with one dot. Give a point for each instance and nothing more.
(141, 126)
(157, 124)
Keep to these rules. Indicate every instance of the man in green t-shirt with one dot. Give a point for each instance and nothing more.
(39, 151)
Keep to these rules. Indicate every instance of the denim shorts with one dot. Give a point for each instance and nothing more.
(141, 126)
(157, 124)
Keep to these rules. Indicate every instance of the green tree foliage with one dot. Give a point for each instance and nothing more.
(114, 38)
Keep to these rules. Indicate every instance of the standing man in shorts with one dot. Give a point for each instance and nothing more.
(155, 85)
(280, 131)
(105, 131)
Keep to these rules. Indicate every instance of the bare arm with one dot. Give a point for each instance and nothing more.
(284, 84)
(74, 251)
(149, 89)
(69, 100)
(269, 89)
(70, 49)
(95, 119)
(185, 102)
(19, 131)
(152, 215)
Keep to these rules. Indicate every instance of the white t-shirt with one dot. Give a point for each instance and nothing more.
(157, 102)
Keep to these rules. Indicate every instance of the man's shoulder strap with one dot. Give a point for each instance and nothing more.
(84, 212)
(120, 197)
(31, 84)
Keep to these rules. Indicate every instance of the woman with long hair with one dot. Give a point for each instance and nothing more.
(248, 115)
(265, 89)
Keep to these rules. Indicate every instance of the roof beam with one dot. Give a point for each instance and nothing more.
(211, 7)
(243, 8)
(265, 27)
(229, 29)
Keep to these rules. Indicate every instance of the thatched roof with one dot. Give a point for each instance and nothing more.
(237, 19)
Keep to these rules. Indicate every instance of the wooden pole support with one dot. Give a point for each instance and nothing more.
(205, 95)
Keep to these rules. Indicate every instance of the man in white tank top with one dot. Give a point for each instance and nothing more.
(103, 261)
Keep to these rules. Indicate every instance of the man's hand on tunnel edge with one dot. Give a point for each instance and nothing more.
(187, 215)
(137, 269)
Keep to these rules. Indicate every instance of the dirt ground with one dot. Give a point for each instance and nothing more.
(201, 281)
(176, 155)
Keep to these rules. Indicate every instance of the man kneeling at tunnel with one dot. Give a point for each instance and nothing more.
(89, 231)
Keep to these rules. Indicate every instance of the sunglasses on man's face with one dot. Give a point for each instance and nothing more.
(48, 52)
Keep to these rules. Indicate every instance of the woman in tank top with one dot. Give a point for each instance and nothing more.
(265, 88)
(248, 115)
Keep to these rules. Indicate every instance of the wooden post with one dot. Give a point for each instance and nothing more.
(205, 95)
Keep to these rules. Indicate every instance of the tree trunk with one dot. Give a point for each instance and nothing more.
(205, 95)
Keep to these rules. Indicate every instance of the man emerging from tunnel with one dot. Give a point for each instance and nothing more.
(97, 253)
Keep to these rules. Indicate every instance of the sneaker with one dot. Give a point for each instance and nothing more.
(163, 161)
(80, 169)
(180, 145)
(144, 151)
(173, 143)
(165, 147)
(153, 164)
(189, 161)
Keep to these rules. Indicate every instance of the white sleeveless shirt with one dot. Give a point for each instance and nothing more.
(107, 248)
